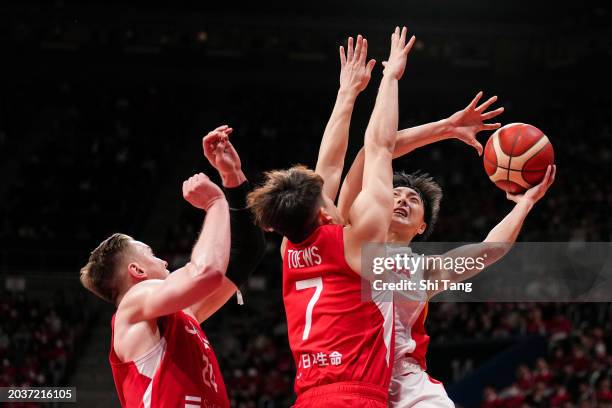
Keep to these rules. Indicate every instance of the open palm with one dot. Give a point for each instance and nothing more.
(467, 122)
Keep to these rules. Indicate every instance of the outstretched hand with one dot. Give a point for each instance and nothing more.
(396, 64)
(535, 193)
(467, 122)
(354, 72)
(220, 152)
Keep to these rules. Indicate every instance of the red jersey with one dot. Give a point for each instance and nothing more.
(180, 371)
(335, 335)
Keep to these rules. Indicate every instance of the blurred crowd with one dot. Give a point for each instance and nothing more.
(85, 164)
(40, 339)
(575, 373)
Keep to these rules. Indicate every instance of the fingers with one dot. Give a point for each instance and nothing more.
(554, 173)
(364, 51)
(476, 145)
(220, 147)
(550, 176)
(197, 178)
(474, 102)
(491, 126)
(370, 66)
(350, 51)
(408, 46)
(212, 139)
(355, 52)
(220, 128)
(488, 103)
(492, 114)
(403, 36)
(395, 38)
(543, 185)
(358, 47)
(342, 56)
(547, 175)
(224, 130)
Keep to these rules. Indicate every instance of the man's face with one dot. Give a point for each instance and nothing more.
(408, 211)
(143, 255)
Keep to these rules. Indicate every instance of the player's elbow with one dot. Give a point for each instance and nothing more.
(380, 139)
(493, 251)
(208, 276)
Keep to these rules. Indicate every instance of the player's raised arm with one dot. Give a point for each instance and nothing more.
(248, 242)
(354, 77)
(371, 212)
(501, 238)
(205, 271)
(464, 125)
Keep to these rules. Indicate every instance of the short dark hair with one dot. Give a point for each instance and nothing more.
(287, 202)
(99, 275)
(430, 192)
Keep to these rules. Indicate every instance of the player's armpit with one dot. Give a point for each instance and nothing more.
(206, 307)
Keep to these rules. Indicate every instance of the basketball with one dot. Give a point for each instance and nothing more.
(516, 157)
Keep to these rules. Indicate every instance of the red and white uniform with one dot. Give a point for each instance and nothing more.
(180, 371)
(341, 339)
(411, 386)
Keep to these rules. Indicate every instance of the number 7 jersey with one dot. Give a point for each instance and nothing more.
(337, 333)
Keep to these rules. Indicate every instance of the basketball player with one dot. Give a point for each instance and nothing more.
(160, 357)
(410, 338)
(341, 344)
(417, 200)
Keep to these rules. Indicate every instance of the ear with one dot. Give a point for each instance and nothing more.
(136, 272)
(324, 217)
(422, 228)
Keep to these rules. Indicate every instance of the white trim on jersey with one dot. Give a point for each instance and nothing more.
(148, 364)
(385, 305)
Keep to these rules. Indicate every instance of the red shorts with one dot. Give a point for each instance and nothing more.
(344, 394)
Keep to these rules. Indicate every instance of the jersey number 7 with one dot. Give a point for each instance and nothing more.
(305, 284)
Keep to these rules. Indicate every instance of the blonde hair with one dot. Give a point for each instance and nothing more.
(99, 274)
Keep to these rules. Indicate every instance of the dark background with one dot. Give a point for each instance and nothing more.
(102, 110)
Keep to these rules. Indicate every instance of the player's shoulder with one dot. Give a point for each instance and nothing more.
(141, 288)
(135, 297)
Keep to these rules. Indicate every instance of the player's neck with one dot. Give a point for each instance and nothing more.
(399, 237)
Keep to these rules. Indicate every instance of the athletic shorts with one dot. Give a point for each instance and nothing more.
(344, 395)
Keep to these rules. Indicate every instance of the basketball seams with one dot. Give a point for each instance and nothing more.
(525, 140)
(524, 171)
(535, 154)
(512, 151)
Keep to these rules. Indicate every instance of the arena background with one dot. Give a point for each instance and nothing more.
(102, 110)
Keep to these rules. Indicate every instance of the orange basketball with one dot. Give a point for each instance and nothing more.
(516, 157)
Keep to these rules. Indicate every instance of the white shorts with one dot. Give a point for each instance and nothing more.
(411, 387)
